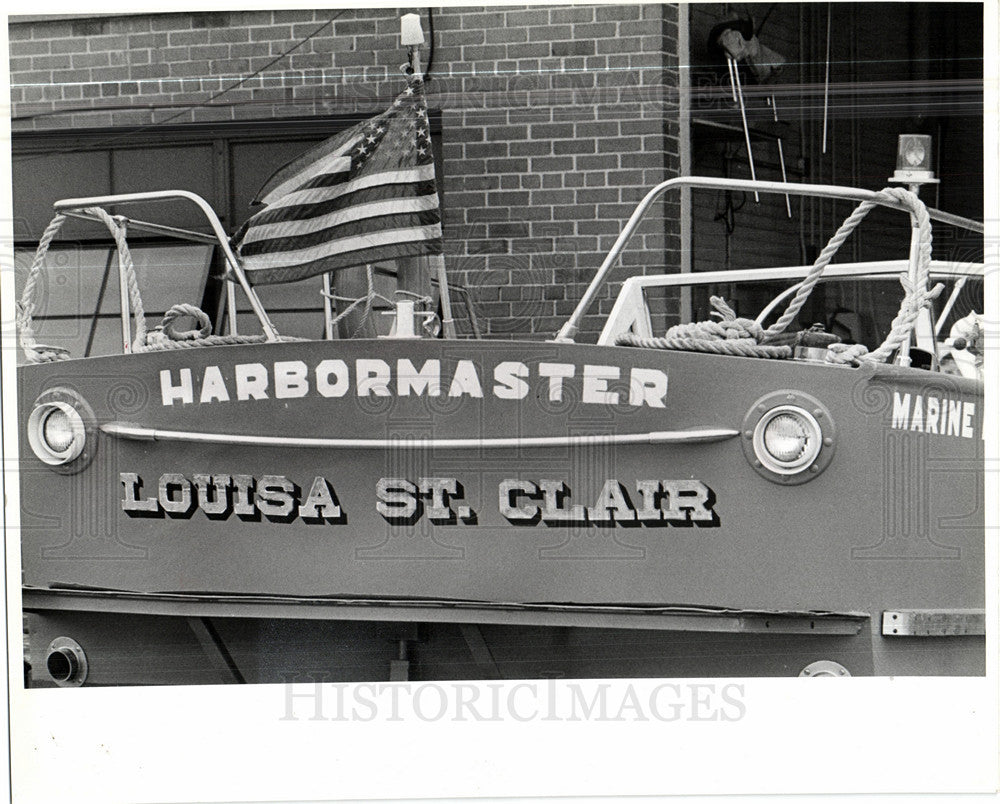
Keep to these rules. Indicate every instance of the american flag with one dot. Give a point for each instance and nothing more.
(365, 195)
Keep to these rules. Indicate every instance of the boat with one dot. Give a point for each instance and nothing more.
(743, 494)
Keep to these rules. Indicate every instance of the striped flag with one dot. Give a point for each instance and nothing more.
(365, 195)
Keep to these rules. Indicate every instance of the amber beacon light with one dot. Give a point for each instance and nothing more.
(913, 160)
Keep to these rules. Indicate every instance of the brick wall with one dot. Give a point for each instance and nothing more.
(554, 119)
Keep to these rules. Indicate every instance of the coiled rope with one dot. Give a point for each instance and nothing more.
(728, 336)
(165, 336)
(752, 340)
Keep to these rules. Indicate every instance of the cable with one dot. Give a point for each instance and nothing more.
(729, 210)
(430, 35)
(187, 109)
(768, 14)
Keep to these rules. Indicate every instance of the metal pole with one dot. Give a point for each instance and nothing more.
(946, 310)
(122, 223)
(746, 128)
(784, 176)
(327, 307)
(684, 153)
(447, 322)
(269, 331)
(231, 306)
(826, 80)
(781, 157)
(903, 358)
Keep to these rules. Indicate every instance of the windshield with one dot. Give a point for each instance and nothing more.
(856, 310)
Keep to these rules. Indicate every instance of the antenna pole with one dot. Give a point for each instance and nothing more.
(412, 34)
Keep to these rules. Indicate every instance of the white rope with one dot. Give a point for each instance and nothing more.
(729, 336)
(35, 352)
(740, 336)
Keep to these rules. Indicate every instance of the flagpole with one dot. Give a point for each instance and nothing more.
(435, 261)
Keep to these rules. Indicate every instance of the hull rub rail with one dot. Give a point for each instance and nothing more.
(700, 435)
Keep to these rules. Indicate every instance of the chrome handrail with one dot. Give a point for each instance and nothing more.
(572, 325)
(69, 205)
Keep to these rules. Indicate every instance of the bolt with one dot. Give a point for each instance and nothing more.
(814, 468)
(807, 672)
(748, 433)
(827, 442)
(818, 413)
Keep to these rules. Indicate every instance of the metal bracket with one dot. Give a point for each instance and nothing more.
(824, 668)
(934, 622)
(216, 652)
(480, 650)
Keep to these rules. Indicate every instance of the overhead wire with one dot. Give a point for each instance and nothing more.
(766, 15)
(188, 108)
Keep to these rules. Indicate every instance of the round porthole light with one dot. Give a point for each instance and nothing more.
(787, 440)
(56, 432)
(789, 437)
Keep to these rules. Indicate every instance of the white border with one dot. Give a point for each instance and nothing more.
(212, 743)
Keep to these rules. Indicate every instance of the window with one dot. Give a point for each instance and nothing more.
(224, 163)
(79, 305)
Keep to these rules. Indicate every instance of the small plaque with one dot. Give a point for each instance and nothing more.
(934, 622)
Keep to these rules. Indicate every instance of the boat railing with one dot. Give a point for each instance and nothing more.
(631, 313)
(569, 330)
(91, 209)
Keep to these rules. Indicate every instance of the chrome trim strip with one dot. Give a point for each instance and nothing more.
(701, 435)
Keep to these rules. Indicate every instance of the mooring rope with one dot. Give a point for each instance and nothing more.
(40, 353)
(163, 337)
(166, 336)
(36, 352)
(740, 336)
(368, 299)
(728, 336)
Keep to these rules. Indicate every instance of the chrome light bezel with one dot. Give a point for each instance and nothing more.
(816, 419)
(40, 445)
(814, 441)
(80, 451)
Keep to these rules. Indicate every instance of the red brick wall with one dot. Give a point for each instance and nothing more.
(554, 119)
